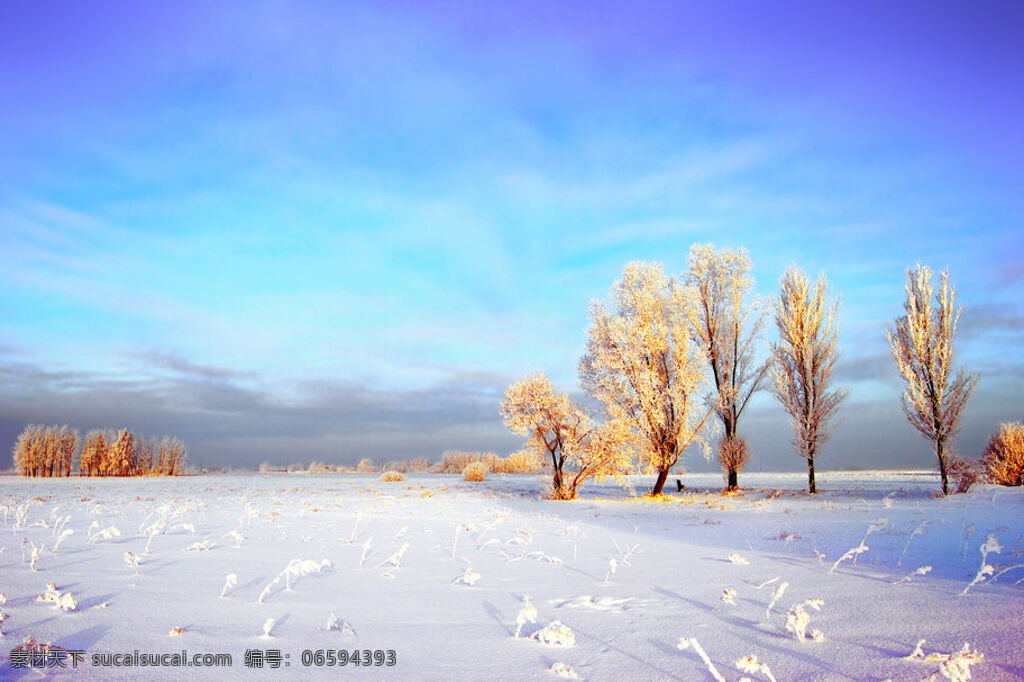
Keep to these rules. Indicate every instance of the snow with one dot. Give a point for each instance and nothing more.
(439, 570)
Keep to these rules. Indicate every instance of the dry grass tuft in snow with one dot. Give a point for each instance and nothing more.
(65, 601)
(797, 620)
(527, 614)
(555, 634)
(229, 583)
(469, 577)
(691, 642)
(563, 670)
(344, 626)
(955, 666)
(990, 546)
(296, 568)
(750, 664)
(920, 570)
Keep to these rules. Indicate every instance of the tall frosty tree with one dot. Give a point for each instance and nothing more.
(922, 345)
(642, 365)
(803, 360)
(726, 327)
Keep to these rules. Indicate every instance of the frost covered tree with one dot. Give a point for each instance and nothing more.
(726, 327)
(579, 449)
(642, 365)
(67, 446)
(94, 452)
(1003, 459)
(803, 361)
(922, 345)
(28, 450)
(123, 455)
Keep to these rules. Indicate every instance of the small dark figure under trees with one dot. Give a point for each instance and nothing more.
(726, 327)
(803, 361)
(922, 345)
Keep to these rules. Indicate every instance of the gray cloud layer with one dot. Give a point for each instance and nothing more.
(228, 419)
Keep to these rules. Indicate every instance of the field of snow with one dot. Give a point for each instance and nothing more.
(443, 573)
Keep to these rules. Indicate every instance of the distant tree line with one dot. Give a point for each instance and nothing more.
(46, 451)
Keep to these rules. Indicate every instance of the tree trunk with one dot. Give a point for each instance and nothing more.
(940, 451)
(733, 482)
(557, 478)
(811, 489)
(659, 483)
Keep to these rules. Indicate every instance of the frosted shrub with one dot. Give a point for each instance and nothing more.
(964, 473)
(797, 620)
(268, 626)
(729, 596)
(3, 617)
(65, 601)
(366, 466)
(1003, 458)
(555, 634)
(750, 664)
(132, 561)
(474, 471)
(392, 476)
(108, 533)
(738, 560)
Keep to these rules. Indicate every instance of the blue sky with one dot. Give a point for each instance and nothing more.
(330, 231)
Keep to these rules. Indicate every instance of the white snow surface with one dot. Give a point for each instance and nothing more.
(672, 558)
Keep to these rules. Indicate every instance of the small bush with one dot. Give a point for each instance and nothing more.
(522, 462)
(474, 471)
(366, 466)
(392, 476)
(1003, 458)
(964, 473)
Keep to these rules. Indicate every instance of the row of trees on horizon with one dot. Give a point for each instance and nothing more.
(671, 358)
(53, 450)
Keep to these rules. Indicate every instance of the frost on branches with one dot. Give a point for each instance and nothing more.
(579, 448)
(643, 366)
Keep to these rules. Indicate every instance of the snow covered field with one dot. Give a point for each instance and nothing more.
(438, 570)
